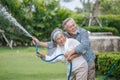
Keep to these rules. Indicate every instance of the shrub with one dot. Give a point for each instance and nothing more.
(111, 21)
(106, 20)
(78, 18)
(102, 29)
(106, 60)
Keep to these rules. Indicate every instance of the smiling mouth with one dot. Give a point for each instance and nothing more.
(73, 31)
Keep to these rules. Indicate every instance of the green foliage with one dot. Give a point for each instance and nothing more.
(86, 7)
(109, 6)
(102, 29)
(21, 63)
(78, 18)
(16, 9)
(36, 22)
(106, 60)
(111, 21)
(46, 16)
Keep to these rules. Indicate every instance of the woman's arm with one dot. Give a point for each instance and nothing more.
(44, 44)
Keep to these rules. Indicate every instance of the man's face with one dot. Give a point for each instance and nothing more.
(60, 39)
(71, 27)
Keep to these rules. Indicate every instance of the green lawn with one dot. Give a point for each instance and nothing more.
(21, 63)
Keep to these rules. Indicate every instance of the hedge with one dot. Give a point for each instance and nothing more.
(106, 20)
(111, 21)
(102, 29)
(41, 27)
(104, 62)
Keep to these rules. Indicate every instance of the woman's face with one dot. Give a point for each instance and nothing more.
(60, 39)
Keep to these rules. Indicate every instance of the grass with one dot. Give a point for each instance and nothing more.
(21, 63)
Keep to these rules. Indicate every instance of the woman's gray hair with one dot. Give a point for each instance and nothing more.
(66, 20)
(52, 35)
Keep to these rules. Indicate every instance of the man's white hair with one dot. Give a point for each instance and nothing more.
(66, 20)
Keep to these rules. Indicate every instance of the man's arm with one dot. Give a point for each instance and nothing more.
(83, 46)
(85, 43)
(73, 56)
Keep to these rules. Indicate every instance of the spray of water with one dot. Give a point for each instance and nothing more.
(12, 20)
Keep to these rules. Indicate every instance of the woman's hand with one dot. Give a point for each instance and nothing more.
(69, 59)
(40, 54)
(35, 40)
(40, 43)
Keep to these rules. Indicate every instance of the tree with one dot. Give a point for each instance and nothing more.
(91, 8)
(86, 6)
(16, 9)
(109, 6)
(93, 17)
(34, 15)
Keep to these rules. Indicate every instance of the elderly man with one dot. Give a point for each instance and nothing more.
(80, 34)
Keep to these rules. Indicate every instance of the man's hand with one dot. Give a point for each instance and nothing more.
(69, 59)
(69, 53)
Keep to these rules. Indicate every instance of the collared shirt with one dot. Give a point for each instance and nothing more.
(69, 45)
(83, 37)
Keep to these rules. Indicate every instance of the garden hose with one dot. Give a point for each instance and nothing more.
(70, 71)
(107, 75)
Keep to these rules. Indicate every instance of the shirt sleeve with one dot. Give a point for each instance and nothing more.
(84, 43)
(50, 44)
(51, 48)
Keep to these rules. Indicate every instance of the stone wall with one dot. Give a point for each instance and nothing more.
(105, 43)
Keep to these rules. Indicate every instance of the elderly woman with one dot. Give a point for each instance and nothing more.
(63, 45)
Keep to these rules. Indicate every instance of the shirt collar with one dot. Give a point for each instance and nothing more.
(78, 30)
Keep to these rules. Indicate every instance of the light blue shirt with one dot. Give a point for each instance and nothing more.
(83, 37)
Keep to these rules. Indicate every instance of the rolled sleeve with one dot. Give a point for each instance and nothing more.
(84, 40)
(51, 48)
(50, 44)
